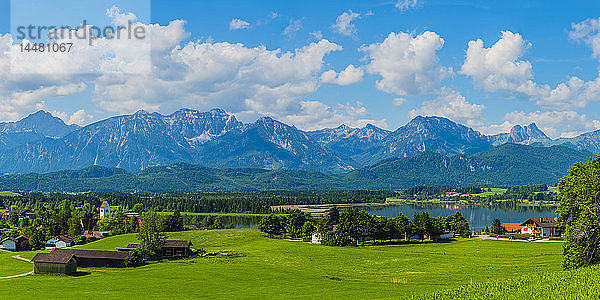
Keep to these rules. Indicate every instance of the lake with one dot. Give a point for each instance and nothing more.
(478, 216)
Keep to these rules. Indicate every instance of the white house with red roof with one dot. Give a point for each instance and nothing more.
(104, 210)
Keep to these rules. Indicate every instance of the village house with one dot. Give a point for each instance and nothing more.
(60, 241)
(541, 227)
(512, 227)
(171, 249)
(97, 234)
(104, 210)
(88, 224)
(54, 263)
(96, 258)
(21, 213)
(20, 243)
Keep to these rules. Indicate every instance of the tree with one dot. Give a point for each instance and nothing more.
(579, 210)
(271, 225)
(402, 226)
(294, 222)
(458, 224)
(13, 218)
(421, 224)
(497, 227)
(152, 235)
(334, 215)
(75, 227)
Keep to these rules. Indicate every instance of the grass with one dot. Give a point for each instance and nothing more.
(8, 193)
(577, 284)
(493, 192)
(10, 266)
(267, 268)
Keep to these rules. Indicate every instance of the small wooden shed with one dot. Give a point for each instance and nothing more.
(54, 263)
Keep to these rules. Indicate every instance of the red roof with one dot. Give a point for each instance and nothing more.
(104, 204)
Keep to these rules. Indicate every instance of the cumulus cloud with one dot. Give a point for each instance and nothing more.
(293, 27)
(500, 67)
(80, 117)
(316, 115)
(587, 31)
(452, 105)
(248, 81)
(237, 24)
(317, 35)
(343, 24)
(404, 5)
(407, 64)
(350, 75)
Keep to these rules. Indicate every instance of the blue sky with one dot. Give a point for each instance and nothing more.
(418, 49)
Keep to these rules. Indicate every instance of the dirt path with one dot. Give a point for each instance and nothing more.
(21, 258)
(20, 275)
(15, 276)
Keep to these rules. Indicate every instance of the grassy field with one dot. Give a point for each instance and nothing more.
(578, 284)
(7, 193)
(10, 266)
(266, 268)
(493, 192)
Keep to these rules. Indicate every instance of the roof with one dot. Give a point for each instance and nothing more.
(53, 257)
(64, 238)
(168, 243)
(105, 203)
(16, 240)
(94, 253)
(177, 244)
(542, 222)
(511, 226)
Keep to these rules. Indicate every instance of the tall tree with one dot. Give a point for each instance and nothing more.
(579, 210)
(152, 235)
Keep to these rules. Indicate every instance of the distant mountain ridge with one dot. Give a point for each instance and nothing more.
(508, 164)
(42, 143)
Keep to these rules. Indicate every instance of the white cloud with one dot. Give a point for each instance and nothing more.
(452, 105)
(317, 35)
(499, 67)
(350, 75)
(237, 24)
(343, 24)
(587, 31)
(80, 117)
(293, 27)
(404, 5)
(398, 101)
(407, 64)
(316, 115)
(554, 123)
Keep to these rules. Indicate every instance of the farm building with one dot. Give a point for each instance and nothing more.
(20, 243)
(172, 249)
(96, 258)
(60, 241)
(541, 227)
(54, 263)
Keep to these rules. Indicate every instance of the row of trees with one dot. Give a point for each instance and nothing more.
(195, 202)
(355, 226)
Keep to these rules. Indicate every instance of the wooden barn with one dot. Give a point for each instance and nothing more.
(54, 263)
(97, 258)
(20, 243)
(172, 249)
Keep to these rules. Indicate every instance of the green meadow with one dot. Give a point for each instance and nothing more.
(270, 268)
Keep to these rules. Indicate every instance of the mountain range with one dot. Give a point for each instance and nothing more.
(42, 143)
(508, 164)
